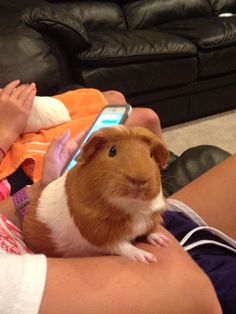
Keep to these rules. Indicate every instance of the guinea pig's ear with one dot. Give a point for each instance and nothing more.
(161, 153)
(95, 141)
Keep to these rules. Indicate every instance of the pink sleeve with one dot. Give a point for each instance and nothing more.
(5, 189)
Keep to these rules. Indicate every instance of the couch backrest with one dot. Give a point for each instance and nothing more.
(144, 14)
(96, 15)
(137, 14)
(223, 6)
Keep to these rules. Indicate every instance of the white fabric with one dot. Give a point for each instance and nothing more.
(46, 113)
(178, 206)
(22, 280)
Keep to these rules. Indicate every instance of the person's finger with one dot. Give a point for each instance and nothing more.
(80, 136)
(7, 90)
(57, 143)
(29, 100)
(19, 90)
(64, 138)
(22, 97)
(73, 144)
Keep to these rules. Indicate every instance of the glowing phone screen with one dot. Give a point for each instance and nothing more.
(109, 117)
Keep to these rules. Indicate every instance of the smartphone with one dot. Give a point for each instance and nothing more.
(109, 116)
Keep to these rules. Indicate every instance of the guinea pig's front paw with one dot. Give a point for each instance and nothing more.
(134, 253)
(158, 238)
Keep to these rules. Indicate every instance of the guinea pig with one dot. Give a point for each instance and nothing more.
(112, 196)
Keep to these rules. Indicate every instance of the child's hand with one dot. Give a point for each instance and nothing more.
(58, 155)
(15, 105)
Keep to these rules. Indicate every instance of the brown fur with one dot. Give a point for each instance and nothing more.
(98, 179)
(99, 221)
(40, 241)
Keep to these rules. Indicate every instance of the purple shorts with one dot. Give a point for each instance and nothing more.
(218, 262)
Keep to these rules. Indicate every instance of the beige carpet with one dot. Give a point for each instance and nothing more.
(218, 130)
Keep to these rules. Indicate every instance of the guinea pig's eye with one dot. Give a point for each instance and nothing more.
(151, 154)
(112, 151)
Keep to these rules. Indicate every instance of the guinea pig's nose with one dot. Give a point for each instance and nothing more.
(138, 181)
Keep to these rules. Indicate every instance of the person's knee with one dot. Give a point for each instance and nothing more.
(114, 97)
(147, 118)
(181, 286)
(199, 295)
(151, 117)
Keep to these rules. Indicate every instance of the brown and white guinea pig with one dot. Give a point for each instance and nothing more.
(111, 196)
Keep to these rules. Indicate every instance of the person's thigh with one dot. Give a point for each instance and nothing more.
(213, 196)
(175, 284)
(114, 97)
(144, 117)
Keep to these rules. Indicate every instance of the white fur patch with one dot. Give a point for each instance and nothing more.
(46, 113)
(130, 205)
(53, 211)
(140, 211)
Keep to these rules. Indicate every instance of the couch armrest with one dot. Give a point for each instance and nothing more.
(53, 20)
(191, 164)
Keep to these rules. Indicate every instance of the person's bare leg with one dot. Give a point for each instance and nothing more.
(140, 116)
(114, 97)
(173, 285)
(146, 118)
(213, 196)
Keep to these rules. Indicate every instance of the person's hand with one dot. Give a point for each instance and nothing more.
(15, 105)
(58, 155)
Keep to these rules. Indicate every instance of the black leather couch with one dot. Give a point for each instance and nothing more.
(175, 56)
(191, 164)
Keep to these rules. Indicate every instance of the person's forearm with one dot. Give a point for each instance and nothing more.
(2, 155)
(7, 139)
(7, 207)
(4, 147)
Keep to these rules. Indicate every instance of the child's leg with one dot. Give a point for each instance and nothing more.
(140, 116)
(146, 118)
(114, 284)
(114, 97)
(213, 196)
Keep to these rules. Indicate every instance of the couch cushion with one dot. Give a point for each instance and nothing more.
(206, 33)
(190, 165)
(57, 22)
(215, 38)
(145, 14)
(146, 59)
(119, 47)
(223, 6)
(139, 77)
(215, 62)
(102, 15)
(26, 56)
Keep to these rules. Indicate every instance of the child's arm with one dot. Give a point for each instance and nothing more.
(15, 104)
(59, 153)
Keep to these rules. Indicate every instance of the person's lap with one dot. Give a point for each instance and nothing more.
(135, 287)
